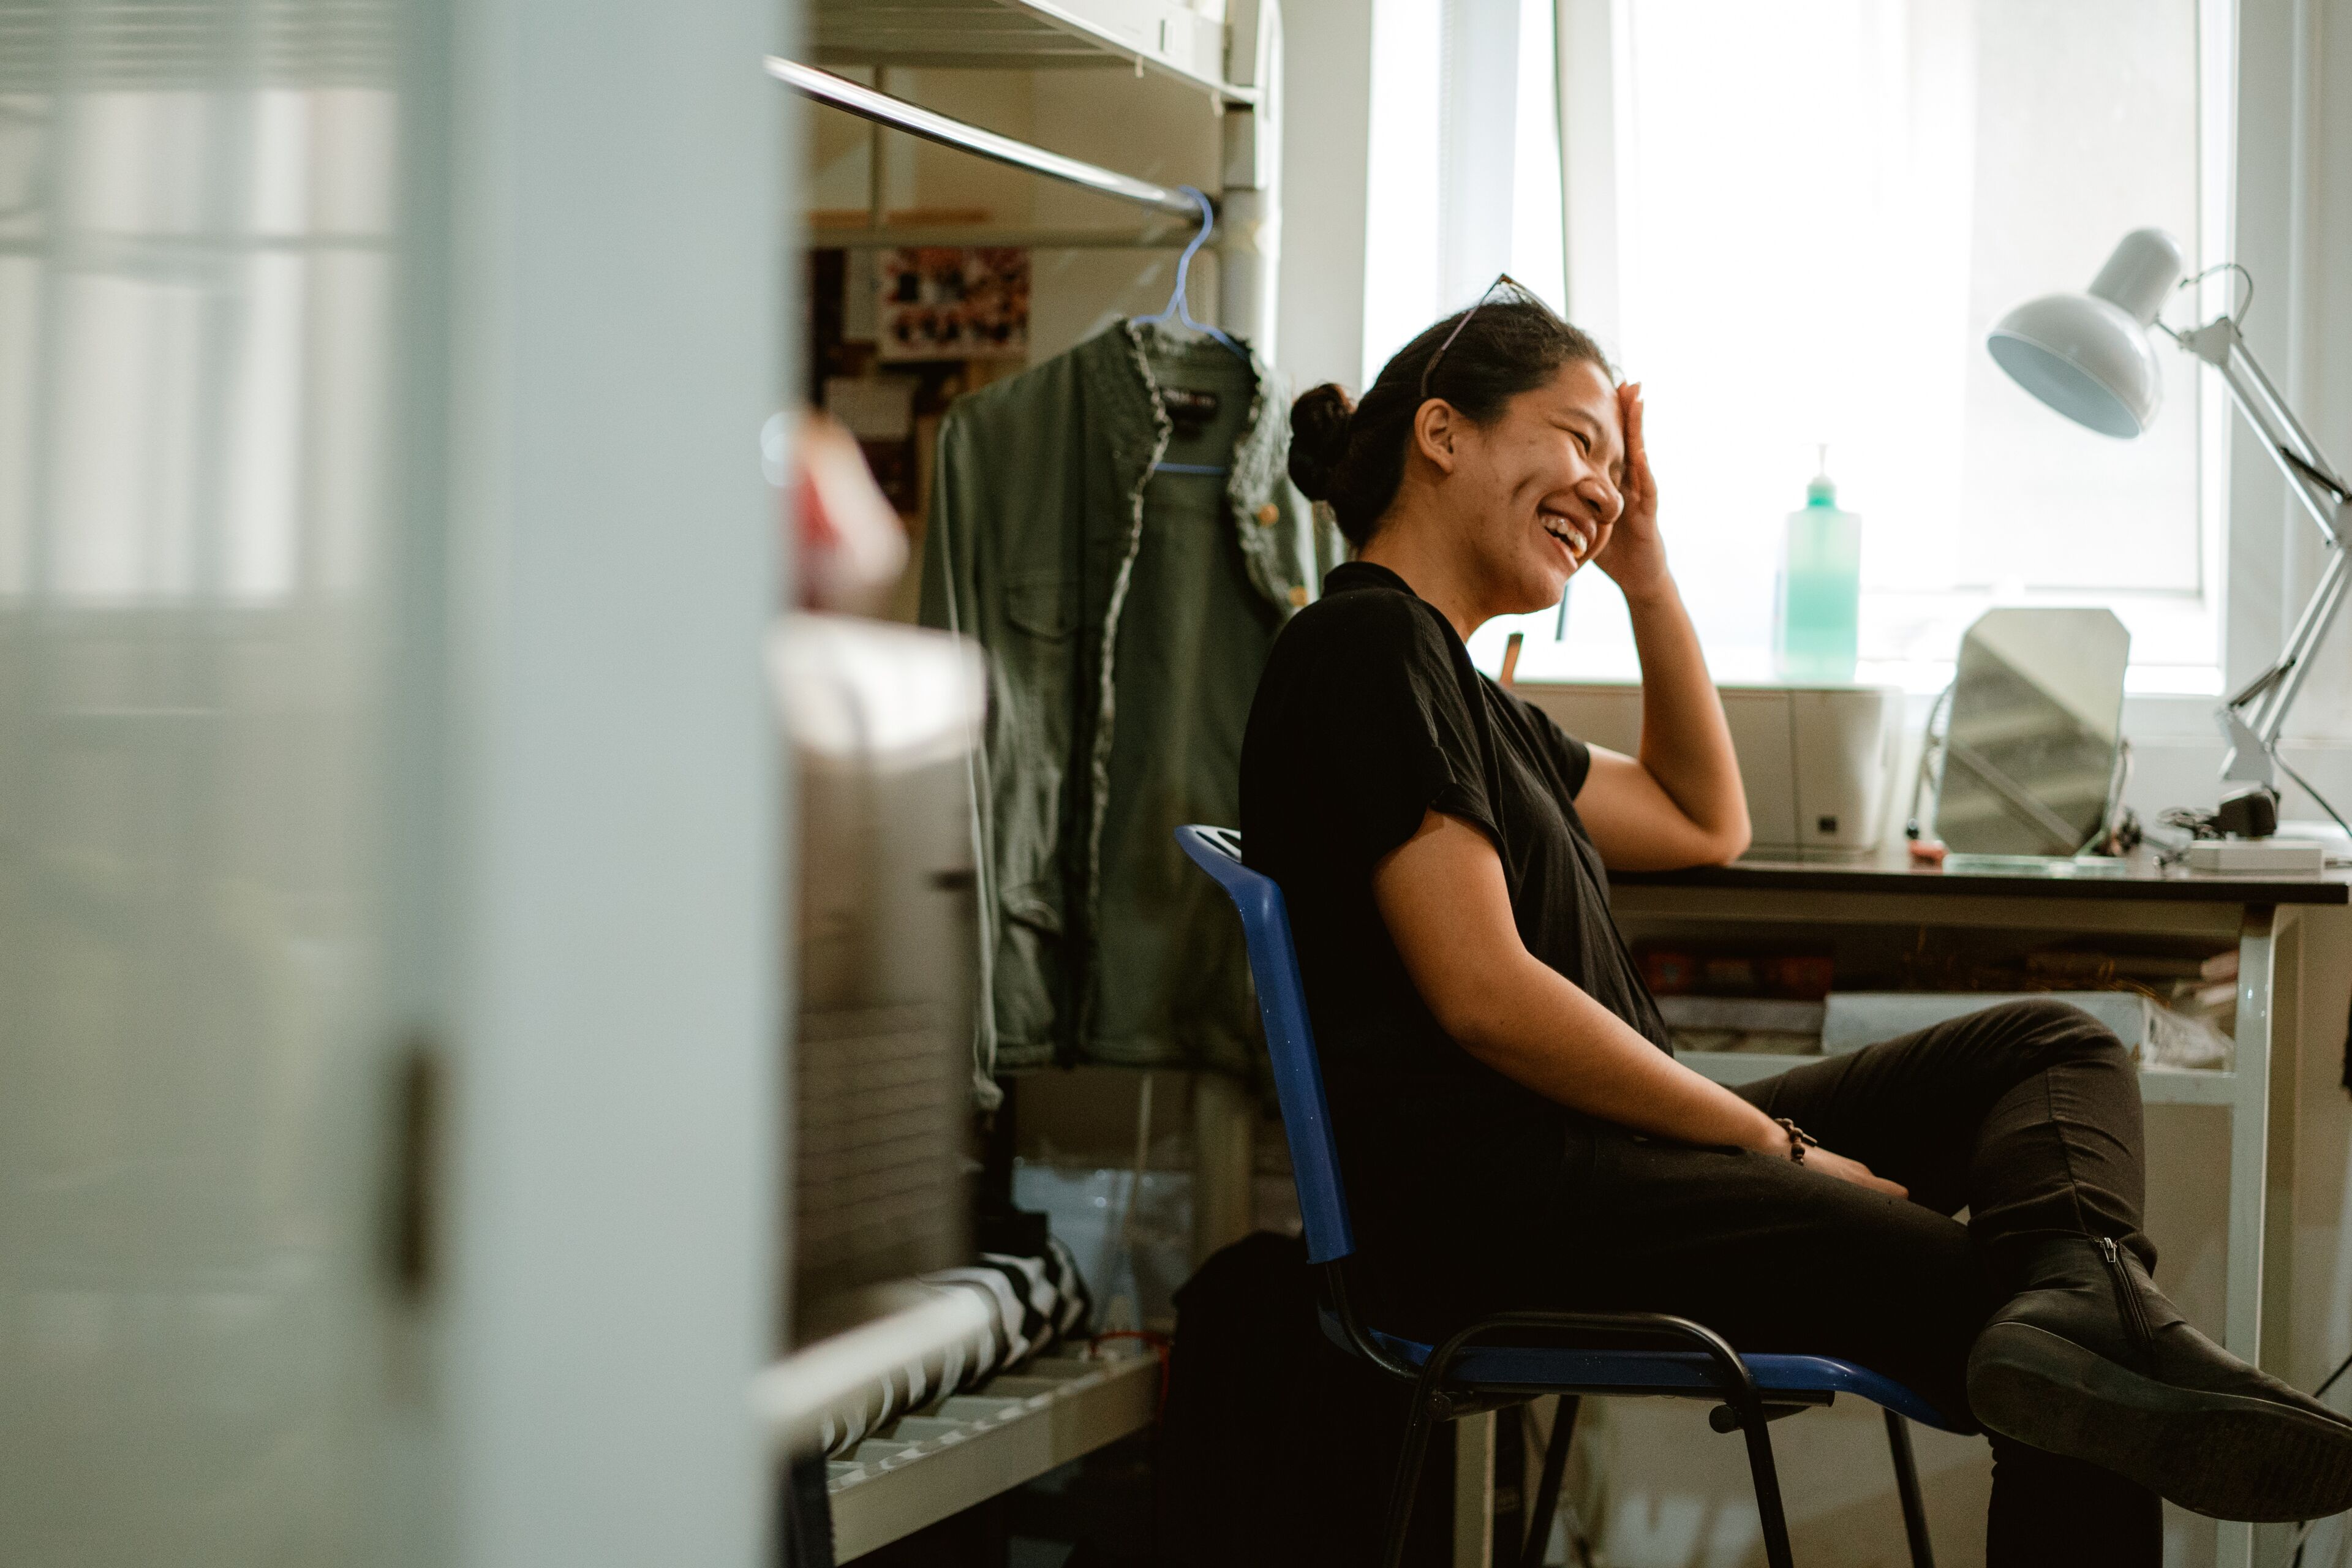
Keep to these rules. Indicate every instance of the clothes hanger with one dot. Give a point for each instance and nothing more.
(1178, 308)
(1180, 312)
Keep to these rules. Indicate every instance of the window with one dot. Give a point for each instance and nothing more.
(195, 307)
(1794, 224)
(1465, 161)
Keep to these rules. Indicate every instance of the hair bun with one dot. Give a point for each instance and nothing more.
(1319, 424)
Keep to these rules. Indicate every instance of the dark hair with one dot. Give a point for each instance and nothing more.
(1352, 454)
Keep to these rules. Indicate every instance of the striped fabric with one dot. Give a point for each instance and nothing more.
(1034, 1305)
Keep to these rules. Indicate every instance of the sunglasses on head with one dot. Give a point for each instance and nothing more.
(1502, 281)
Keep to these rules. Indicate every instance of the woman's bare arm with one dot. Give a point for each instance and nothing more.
(1448, 910)
(1681, 802)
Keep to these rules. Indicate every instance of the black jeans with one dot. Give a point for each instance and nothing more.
(2027, 1115)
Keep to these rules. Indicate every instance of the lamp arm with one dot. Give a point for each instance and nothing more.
(2220, 344)
(2252, 719)
(2274, 691)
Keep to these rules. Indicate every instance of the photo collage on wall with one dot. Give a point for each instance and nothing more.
(954, 302)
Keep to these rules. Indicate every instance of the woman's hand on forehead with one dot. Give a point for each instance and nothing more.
(1635, 554)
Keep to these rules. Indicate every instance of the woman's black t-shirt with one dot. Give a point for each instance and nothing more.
(1369, 715)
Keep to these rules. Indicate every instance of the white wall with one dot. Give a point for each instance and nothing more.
(1326, 76)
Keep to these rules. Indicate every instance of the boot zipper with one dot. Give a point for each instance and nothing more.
(2128, 1294)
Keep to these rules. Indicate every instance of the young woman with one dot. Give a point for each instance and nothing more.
(1515, 1129)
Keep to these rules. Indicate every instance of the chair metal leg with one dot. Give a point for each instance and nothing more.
(1555, 1466)
(1431, 1404)
(1906, 1487)
(1769, 1510)
(1408, 1472)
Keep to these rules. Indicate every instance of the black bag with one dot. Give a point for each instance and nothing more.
(1275, 1447)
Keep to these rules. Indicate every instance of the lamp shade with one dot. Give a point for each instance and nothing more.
(2087, 355)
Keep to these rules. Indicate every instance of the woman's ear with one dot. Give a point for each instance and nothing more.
(1434, 429)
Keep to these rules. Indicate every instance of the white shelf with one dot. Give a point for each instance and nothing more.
(1165, 37)
(970, 1447)
(2157, 1086)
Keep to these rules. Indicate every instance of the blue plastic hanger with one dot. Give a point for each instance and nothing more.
(1180, 310)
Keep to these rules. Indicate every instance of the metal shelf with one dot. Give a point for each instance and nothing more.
(970, 1447)
(2157, 1086)
(870, 103)
(1161, 36)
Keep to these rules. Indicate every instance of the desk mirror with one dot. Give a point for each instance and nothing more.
(2036, 721)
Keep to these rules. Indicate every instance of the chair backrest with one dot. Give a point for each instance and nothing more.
(1289, 1041)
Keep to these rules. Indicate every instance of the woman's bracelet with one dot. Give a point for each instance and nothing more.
(1799, 1139)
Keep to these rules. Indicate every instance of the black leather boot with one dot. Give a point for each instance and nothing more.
(2090, 1361)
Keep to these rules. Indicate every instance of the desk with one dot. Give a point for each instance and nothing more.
(1846, 902)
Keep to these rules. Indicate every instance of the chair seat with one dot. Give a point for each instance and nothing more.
(1672, 1373)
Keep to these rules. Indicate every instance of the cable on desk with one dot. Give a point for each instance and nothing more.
(2314, 794)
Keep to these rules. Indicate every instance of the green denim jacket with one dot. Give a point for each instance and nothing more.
(1126, 615)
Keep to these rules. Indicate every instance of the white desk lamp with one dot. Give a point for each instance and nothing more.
(2088, 357)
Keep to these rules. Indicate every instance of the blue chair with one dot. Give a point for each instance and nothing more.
(1492, 1363)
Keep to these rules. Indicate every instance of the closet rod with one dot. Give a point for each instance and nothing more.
(900, 115)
